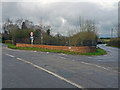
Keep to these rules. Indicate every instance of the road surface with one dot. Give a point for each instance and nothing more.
(32, 69)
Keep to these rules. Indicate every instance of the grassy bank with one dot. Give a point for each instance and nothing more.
(113, 46)
(114, 42)
(98, 51)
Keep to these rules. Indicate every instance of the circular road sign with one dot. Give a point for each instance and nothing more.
(31, 34)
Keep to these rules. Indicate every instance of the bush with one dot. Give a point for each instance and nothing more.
(84, 39)
(8, 41)
(114, 42)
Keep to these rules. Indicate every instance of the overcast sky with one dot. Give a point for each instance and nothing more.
(63, 16)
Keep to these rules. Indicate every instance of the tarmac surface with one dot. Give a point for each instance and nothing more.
(35, 69)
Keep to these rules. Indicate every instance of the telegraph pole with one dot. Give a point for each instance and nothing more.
(111, 33)
(80, 22)
(41, 32)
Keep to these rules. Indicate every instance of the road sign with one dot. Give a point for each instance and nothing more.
(31, 34)
(31, 38)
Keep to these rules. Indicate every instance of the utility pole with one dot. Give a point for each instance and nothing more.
(41, 32)
(80, 22)
(111, 33)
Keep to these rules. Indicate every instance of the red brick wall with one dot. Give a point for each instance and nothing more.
(83, 49)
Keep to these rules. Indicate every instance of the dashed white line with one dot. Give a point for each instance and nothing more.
(19, 59)
(10, 55)
(62, 54)
(101, 67)
(89, 57)
(52, 73)
(99, 60)
(104, 55)
(63, 57)
(34, 51)
(95, 65)
(86, 63)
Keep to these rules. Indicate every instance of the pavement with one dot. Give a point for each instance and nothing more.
(35, 69)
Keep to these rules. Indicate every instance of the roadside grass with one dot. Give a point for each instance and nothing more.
(99, 51)
(112, 46)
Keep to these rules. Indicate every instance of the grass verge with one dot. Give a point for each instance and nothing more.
(98, 51)
(112, 46)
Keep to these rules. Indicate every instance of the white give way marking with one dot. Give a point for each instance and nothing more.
(10, 55)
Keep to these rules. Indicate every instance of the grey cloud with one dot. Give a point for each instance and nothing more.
(69, 11)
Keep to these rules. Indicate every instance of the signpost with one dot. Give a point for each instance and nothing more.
(31, 38)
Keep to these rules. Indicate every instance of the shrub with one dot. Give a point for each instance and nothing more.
(8, 41)
(114, 42)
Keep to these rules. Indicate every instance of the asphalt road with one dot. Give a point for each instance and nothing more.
(0, 66)
(31, 69)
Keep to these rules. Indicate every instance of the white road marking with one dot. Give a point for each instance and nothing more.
(99, 60)
(62, 54)
(95, 65)
(105, 60)
(63, 57)
(89, 57)
(10, 55)
(104, 55)
(19, 59)
(86, 63)
(52, 73)
(34, 51)
(101, 67)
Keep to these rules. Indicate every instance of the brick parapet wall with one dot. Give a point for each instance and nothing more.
(83, 49)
